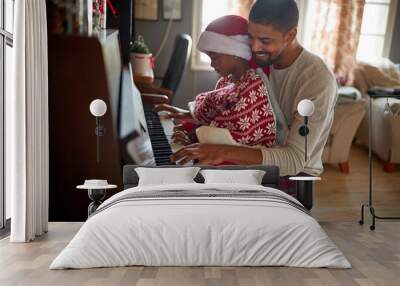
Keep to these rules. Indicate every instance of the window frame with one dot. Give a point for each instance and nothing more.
(387, 43)
(388, 35)
(196, 63)
(2, 93)
(6, 39)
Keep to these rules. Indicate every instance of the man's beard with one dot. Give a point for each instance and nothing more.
(264, 63)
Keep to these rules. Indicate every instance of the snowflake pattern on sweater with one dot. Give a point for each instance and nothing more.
(242, 107)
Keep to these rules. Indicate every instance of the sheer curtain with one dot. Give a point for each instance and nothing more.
(27, 124)
(336, 35)
(242, 7)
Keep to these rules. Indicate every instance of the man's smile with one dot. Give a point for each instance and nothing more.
(262, 55)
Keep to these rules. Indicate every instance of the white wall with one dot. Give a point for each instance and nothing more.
(193, 82)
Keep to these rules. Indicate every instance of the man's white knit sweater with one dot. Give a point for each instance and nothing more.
(307, 78)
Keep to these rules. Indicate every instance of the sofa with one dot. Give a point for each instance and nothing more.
(348, 116)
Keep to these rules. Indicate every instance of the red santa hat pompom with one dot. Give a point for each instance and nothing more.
(226, 35)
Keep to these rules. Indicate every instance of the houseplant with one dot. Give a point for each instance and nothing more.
(142, 61)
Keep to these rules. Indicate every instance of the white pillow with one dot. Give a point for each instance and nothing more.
(165, 176)
(248, 177)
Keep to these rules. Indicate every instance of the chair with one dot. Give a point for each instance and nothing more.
(176, 67)
(347, 119)
(177, 63)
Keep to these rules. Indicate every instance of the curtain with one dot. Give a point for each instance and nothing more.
(27, 124)
(336, 35)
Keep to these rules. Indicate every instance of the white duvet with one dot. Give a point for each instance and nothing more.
(200, 231)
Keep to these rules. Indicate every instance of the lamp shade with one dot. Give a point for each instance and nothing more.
(305, 107)
(98, 107)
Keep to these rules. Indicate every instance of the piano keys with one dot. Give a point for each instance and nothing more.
(159, 142)
(151, 144)
(154, 145)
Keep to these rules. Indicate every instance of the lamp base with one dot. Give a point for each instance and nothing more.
(305, 189)
(97, 196)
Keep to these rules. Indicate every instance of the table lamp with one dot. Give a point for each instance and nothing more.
(305, 183)
(98, 108)
(305, 109)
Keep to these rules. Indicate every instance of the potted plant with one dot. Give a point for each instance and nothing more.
(142, 61)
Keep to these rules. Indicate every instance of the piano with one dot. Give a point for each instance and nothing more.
(82, 69)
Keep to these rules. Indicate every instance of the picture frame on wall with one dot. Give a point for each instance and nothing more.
(172, 9)
(146, 10)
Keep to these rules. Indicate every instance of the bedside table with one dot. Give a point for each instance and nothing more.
(96, 192)
(305, 188)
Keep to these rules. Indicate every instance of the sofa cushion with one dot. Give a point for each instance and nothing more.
(380, 73)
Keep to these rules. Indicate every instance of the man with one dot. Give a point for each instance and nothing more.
(296, 74)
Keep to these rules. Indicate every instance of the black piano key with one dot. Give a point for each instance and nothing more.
(160, 147)
(163, 161)
(162, 152)
(159, 142)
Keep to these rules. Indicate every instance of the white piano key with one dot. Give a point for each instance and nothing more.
(168, 126)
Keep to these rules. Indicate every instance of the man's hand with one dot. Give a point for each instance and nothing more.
(207, 154)
(212, 154)
(174, 112)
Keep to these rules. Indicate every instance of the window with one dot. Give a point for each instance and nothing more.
(6, 63)
(376, 32)
(376, 29)
(205, 11)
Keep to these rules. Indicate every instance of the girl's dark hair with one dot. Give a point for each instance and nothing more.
(283, 15)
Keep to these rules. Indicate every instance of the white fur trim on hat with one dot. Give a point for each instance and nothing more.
(236, 45)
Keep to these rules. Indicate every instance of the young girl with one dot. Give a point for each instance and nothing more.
(238, 109)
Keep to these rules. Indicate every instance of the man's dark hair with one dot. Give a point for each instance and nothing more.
(283, 15)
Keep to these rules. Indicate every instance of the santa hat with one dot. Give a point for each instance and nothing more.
(226, 35)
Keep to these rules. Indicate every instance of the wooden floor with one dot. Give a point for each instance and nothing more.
(374, 255)
(338, 196)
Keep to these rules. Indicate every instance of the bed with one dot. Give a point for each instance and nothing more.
(197, 224)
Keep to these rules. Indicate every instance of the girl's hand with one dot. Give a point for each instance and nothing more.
(181, 137)
(173, 112)
(179, 127)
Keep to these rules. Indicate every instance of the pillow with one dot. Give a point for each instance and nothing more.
(166, 176)
(248, 177)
